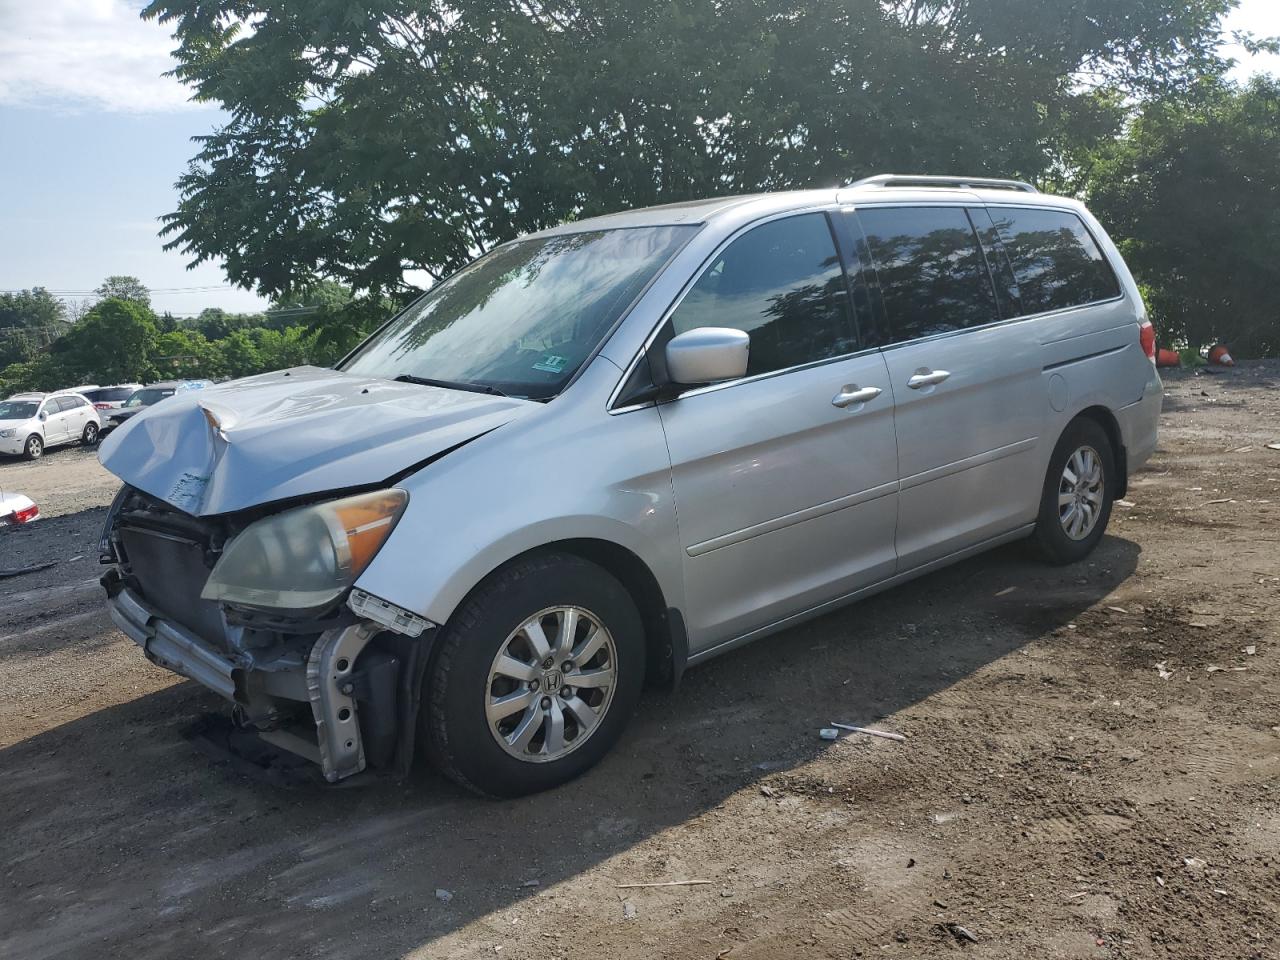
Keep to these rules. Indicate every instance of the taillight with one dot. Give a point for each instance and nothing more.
(1147, 336)
(26, 514)
(102, 406)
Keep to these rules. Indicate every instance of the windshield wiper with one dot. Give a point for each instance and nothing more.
(470, 385)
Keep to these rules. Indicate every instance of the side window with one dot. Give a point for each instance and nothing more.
(933, 277)
(50, 407)
(1055, 259)
(1007, 293)
(68, 403)
(781, 283)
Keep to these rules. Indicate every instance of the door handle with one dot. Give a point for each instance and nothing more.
(850, 395)
(927, 378)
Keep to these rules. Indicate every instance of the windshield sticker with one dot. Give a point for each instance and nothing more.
(551, 363)
(188, 491)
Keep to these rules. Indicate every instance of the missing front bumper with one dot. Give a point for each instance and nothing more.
(327, 677)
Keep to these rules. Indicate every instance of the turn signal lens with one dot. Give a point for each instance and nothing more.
(366, 522)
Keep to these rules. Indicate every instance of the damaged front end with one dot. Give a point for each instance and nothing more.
(260, 608)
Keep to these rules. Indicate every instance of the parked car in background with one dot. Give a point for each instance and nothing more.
(150, 395)
(834, 391)
(110, 398)
(16, 508)
(31, 423)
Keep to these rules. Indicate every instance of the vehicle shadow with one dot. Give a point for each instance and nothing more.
(123, 839)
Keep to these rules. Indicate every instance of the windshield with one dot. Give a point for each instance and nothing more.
(18, 409)
(146, 397)
(522, 319)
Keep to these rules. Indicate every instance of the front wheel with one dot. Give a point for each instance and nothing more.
(535, 678)
(1075, 503)
(34, 448)
(90, 435)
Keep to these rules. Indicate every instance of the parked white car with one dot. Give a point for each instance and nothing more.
(31, 423)
(16, 508)
(110, 398)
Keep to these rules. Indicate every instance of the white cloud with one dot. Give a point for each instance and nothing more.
(86, 54)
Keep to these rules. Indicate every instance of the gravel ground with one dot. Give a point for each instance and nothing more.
(1092, 768)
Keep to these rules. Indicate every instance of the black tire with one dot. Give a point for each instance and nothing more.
(1052, 539)
(90, 435)
(456, 731)
(33, 449)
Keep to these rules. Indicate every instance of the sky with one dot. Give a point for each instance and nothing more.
(93, 136)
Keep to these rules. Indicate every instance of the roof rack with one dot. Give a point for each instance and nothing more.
(960, 183)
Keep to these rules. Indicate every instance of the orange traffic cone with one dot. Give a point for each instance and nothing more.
(1168, 358)
(1221, 356)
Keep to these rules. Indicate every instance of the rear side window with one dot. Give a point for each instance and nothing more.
(933, 277)
(781, 283)
(1055, 259)
(69, 403)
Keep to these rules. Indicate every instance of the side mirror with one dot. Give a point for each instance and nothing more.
(43, 416)
(708, 355)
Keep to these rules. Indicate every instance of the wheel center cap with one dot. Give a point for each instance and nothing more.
(552, 679)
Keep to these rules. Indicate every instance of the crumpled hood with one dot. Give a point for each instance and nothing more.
(291, 433)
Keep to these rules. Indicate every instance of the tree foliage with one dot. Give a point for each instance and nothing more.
(29, 321)
(121, 287)
(1193, 192)
(411, 135)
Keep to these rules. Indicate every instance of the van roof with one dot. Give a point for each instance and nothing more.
(883, 188)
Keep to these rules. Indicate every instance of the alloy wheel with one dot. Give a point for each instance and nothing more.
(551, 684)
(1080, 493)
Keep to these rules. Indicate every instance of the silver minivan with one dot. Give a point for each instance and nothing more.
(608, 451)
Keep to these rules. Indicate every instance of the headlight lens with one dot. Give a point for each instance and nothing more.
(303, 559)
(8, 434)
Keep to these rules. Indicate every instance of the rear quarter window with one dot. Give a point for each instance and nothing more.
(1055, 259)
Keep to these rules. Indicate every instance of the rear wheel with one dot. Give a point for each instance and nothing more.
(535, 678)
(1075, 503)
(34, 448)
(90, 435)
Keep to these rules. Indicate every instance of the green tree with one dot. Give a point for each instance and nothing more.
(186, 354)
(409, 135)
(123, 287)
(240, 355)
(1192, 194)
(29, 321)
(113, 344)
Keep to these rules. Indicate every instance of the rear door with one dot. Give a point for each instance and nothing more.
(968, 393)
(76, 410)
(784, 481)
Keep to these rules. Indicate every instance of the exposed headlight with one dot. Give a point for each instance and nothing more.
(8, 434)
(303, 559)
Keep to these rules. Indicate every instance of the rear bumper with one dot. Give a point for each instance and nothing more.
(1140, 423)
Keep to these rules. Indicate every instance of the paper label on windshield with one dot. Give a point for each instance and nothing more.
(188, 491)
(551, 363)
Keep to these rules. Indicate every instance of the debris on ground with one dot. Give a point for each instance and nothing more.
(443, 895)
(829, 733)
(961, 933)
(871, 733)
(663, 883)
(22, 571)
(1162, 668)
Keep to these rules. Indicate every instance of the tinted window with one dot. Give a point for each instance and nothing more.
(782, 284)
(523, 318)
(147, 396)
(1054, 258)
(18, 409)
(933, 277)
(109, 394)
(69, 403)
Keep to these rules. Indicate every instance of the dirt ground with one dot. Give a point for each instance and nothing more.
(1092, 768)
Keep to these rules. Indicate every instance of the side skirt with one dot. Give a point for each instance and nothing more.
(860, 594)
